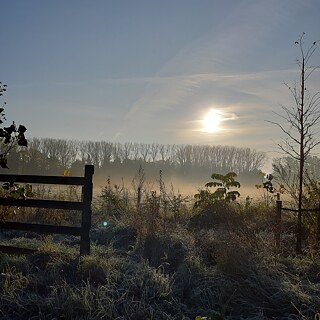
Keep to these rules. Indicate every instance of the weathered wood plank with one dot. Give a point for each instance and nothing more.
(26, 178)
(41, 228)
(302, 210)
(48, 204)
(86, 211)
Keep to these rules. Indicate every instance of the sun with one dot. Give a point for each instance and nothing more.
(211, 121)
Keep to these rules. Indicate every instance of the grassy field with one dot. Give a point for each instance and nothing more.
(163, 259)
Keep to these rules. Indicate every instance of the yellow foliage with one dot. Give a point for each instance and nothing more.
(66, 173)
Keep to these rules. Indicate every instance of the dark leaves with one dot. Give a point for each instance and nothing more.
(3, 162)
(22, 129)
(12, 134)
(9, 136)
(22, 141)
(213, 184)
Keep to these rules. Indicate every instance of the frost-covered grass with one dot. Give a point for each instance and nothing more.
(218, 264)
(180, 275)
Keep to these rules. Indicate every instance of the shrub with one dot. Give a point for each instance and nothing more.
(164, 251)
(121, 237)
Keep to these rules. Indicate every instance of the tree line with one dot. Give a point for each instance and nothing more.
(53, 156)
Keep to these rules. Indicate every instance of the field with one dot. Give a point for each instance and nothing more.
(162, 258)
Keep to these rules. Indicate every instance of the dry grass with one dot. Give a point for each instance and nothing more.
(163, 268)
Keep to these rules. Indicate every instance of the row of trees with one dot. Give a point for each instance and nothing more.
(45, 155)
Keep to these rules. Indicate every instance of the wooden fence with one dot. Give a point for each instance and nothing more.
(84, 206)
(278, 226)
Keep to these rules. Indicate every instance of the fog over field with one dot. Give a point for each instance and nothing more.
(179, 185)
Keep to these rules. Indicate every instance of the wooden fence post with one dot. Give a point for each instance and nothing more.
(318, 228)
(86, 212)
(277, 232)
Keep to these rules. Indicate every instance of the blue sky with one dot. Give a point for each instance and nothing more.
(148, 71)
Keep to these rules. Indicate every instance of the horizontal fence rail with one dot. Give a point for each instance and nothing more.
(302, 210)
(41, 228)
(63, 180)
(48, 204)
(278, 221)
(84, 206)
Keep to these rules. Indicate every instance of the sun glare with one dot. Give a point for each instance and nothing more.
(211, 121)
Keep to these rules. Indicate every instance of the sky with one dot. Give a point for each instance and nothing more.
(150, 71)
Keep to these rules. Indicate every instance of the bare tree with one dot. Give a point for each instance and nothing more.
(163, 150)
(144, 151)
(106, 152)
(117, 152)
(127, 150)
(301, 121)
(94, 152)
(154, 151)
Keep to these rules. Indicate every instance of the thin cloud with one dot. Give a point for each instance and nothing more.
(183, 76)
(171, 92)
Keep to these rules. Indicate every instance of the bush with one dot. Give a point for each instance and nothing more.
(121, 237)
(217, 214)
(164, 251)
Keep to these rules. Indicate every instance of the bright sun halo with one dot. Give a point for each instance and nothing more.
(211, 121)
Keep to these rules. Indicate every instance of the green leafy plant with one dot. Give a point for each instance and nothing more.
(16, 191)
(213, 207)
(223, 192)
(12, 191)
